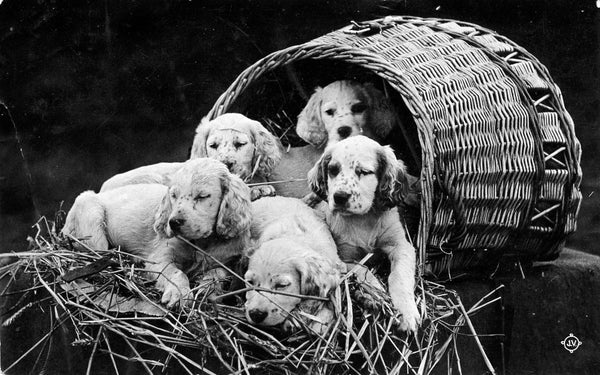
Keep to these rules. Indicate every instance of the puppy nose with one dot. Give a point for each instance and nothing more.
(175, 224)
(345, 131)
(257, 315)
(341, 197)
(228, 164)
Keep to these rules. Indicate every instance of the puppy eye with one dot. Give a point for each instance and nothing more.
(358, 108)
(333, 170)
(213, 145)
(239, 144)
(250, 282)
(173, 195)
(330, 112)
(201, 196)
(363, 172)
(280, 285)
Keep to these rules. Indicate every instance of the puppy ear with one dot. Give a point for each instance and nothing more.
(393, 183)
(199, 145)
(161, 217)
(383, 116)
(267, 152)
(317, 176)
(310, 126)
(318, 275)
(234, 212)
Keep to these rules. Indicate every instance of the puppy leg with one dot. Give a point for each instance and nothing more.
(169, 278)
(369, 286)
(214, 281)
(260, 191)
(86, 221)
(401, 284)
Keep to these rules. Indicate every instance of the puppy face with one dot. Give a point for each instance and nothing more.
(282, 265)
(195, 197)
(357, 175)
(243, 145)
(204, 198)
(232, 147)
(344, 110)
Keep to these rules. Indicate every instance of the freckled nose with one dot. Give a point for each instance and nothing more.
(257, 315)
(345, 131)
(341, 197)
(175, 224)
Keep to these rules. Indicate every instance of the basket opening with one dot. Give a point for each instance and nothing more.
(277, 97)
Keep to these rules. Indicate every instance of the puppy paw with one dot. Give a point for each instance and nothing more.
(366, 300)
(408, 317)
(174, 295)
(311, 200)
(261, 191)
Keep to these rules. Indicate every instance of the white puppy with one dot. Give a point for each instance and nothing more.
(294, 254)
(204, 203)
(243, 145)
(363, 183)
(343, 109)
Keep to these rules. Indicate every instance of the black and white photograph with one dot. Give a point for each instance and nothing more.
(299, 187)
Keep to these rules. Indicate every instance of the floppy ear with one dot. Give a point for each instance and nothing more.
(392, 187)
(161, 217)
(267, 152)
(234, 212)
(199, 145)
(317, 176)
(382, 115)
(318, 275)
(310, 126)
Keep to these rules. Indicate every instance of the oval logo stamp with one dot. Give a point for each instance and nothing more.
(571, 343)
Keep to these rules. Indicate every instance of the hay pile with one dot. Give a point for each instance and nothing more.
(105, 297)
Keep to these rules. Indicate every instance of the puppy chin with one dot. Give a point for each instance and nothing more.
(349, 210)
(195, 234)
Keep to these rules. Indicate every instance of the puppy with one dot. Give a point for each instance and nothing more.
(363, 183)
(243, 145)
(295, 254)
(246, 147)
(343, 109)
(204, 203)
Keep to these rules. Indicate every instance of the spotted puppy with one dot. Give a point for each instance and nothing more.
(363, 183)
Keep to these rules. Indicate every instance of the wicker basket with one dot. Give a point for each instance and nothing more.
(498, 158)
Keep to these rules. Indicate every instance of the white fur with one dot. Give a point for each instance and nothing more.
(343, 109)
(213, 208)
(295, 253)
(369, 220)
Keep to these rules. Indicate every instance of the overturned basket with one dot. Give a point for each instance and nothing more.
(498, 160)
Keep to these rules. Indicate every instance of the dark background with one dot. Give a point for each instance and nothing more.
(99, 87)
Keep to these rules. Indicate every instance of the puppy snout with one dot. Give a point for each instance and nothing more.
(228, 163)
(341, 198)
(344, 131)
(176, 224)
(257, 316)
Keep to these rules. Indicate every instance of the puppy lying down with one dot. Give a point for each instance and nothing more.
(295, 254)
(243, 145)
(203, 203)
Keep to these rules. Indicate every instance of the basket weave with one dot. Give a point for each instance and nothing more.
(500, 169)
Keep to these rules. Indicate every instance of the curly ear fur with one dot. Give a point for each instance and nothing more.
(199, 145)
(310, 126)
(161, 217)
(234, 212)
(392, 179)
(383, 116)
(318, 275)
(267, 150)
(317, 176)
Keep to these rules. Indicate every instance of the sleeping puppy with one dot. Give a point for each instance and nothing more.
(294, 253)
(343, 109)
(246, 147)
(243, 145)
(363, 183)
(204, 203)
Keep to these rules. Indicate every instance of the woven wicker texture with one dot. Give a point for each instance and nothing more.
(500, 169)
